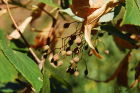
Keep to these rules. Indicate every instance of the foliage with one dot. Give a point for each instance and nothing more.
(69, 46)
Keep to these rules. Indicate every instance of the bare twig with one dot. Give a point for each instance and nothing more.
(38, 61)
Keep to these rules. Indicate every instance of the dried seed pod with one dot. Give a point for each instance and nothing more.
(76, 51)
(78, 40)
(100, 34)
(52, 60)
(56, 57)
(44, 55)
(73, 37)
(66, 25)
(70, 42)
(68, 48)
(76, 59)
(76, 73)
(86, 72)
(68, 53)
(55, 63)
(70, 70)
(86, 47)
(63, 53)
(48, 41)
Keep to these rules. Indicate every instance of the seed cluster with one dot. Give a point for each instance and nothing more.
(72, 47)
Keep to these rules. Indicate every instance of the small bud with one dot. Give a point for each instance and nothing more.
(133, 36)
(34, 7)
(63, 53)
(78, 40)
(47, 47)
(76, 73)
(68, 53)
(71, 61)
(106, 52)
(66, 25)
(76, 59)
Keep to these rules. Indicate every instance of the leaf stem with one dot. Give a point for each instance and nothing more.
(38, 61)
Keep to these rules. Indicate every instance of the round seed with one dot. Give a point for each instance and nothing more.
(76, 59)
(78, 40)
(68, 53)
(63, 53)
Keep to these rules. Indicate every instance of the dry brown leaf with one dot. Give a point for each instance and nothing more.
(15, 34)
(127, 28)
(134, 83)
(48, 34)
(84, 8)
(41, 38)
(137, 76)
(92, 20)
(120, 67)
(37, 12)
(80, 8)
(122, 44)
(91, 11)
(95, 16)
(122, 78)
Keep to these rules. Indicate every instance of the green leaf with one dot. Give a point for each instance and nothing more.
(23, 64)
(46, 80)
(7, 70)
(49, 2)
(132, 14)
(57, 74)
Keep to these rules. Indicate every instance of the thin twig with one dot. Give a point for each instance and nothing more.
(26, 42)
